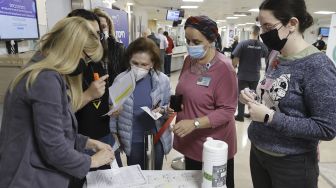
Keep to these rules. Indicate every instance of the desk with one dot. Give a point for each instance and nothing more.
(10, 65)
(152, 179)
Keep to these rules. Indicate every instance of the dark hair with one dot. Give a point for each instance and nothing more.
(255, 30)
(165, 33)
(143, 45)
(284, 10)
(86, 14)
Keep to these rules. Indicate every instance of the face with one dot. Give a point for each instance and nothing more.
(103, 24)
(142, 60)
(195, 37)
(268, 22)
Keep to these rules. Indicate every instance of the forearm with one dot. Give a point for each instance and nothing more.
(204, 122)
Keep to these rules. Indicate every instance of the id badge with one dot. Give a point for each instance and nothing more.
(204, 81)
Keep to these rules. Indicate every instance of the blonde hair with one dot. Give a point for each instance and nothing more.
(63, 47)
(101, 13)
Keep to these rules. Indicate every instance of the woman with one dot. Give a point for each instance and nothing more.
(169, 53)
(114, 51)
(297, 101)
(39, 144)
(208, 84)
(152, 90)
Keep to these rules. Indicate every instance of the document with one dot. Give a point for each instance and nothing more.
(120, 90)
(129, 176)
(154, 115)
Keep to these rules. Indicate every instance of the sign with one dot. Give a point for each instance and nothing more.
(331, 48)
(120, 20)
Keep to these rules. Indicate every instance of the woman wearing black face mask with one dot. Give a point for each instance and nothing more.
(295, 106)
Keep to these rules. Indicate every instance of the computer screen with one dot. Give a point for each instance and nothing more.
(18, 20)
(324, 31)
(173, 15)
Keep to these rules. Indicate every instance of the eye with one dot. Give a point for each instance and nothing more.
(283, 85)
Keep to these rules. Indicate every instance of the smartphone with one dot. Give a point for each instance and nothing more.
(176, 102)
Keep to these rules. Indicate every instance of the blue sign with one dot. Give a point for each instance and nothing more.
(120, 20)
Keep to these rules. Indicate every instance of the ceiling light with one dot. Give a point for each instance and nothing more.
(193, 0)
(240, 15)
(250, 23)
(189, 7)
(254, 10)
(221, 20)
(324, 12)
(130, 4)
(231, 18)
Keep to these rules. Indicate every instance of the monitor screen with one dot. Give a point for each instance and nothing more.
(324, 31)
(173, 15)
(18, 19)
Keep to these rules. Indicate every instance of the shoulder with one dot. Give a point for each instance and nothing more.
(49, 76)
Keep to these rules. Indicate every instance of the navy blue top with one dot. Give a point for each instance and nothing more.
(141, 120)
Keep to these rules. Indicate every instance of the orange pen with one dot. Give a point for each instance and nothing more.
(95, 76)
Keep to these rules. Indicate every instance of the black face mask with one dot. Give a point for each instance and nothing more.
(272, 40)
(80, 68)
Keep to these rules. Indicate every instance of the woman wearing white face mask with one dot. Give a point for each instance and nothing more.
(208, 84)
(152, 90)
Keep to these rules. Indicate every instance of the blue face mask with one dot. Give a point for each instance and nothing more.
(196, 52)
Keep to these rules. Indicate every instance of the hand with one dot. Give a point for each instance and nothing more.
(258, 111)
(96, 145)
(183, 128)
(170, 111)
(158, 109)
(117, 112)
(97, 88)
(246, 96)
(101, 158)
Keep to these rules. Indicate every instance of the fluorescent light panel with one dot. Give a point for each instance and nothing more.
(254, 10)
(221, 20)
(231, 18)
(240, 15)
(324, 12)
(193, 0)
(189, 7)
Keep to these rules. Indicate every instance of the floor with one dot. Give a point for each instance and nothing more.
(242, 173)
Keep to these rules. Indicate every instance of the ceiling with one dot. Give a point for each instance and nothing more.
(220, 9)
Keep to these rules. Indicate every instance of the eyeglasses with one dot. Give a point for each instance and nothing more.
(267, 27)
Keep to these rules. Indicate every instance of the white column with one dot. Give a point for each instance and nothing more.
(331, 48)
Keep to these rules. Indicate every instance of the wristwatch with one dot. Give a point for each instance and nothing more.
(196, 123)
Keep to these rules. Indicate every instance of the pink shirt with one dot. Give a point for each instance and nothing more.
(218, 101)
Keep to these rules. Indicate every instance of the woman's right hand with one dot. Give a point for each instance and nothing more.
(246, 96)
(97, 88)
(101, 158)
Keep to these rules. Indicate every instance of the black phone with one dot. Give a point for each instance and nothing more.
(176, 102)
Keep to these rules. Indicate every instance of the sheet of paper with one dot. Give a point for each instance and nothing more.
(128, 176)
(120, 90)
(152, 114)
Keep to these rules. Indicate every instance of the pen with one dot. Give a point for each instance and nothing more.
(156, 105)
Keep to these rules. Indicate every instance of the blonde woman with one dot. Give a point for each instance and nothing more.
(39, 144)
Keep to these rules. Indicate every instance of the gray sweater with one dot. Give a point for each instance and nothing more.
(303, 94)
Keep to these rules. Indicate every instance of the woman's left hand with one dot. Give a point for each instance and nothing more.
(258, 111)
(96, 145)
(183, 127)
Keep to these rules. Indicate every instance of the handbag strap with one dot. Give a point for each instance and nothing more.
(163, 128)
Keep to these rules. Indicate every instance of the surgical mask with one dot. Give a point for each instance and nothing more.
(79, 69)
(106, 34)
(138, 72)
(196, 52)
(272, 40)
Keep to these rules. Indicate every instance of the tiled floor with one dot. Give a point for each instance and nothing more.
(242, 172)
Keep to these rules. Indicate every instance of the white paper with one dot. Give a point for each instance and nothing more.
(154, 115)
(117, 178)
(120, 90)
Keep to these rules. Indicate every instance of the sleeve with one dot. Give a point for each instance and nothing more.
(320, 101)
(166, 92)
(226, 98)
(81, 141)
(237, 51)
(46, 95)
(264, 50)
(113, 124)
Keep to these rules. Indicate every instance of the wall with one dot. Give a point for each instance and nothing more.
(311, 33)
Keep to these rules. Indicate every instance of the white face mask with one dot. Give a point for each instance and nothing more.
(106, 34)
(138, 72)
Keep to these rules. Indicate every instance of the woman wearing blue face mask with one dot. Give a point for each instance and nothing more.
(153, 91)
(208, 84)
(297, 101)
